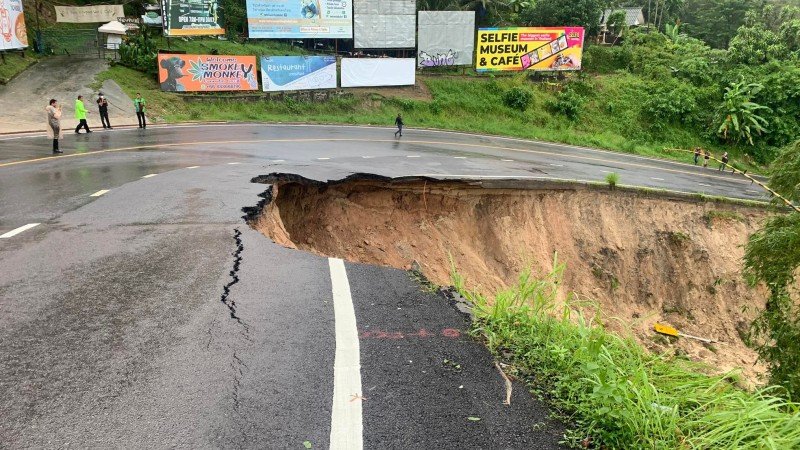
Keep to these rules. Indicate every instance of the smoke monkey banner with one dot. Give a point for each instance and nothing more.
(203, 73)
(532, 48)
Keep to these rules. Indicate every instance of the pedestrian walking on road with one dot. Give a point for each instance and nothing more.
(140, 105)
(696, 155)
(102, 104)
(706, 157)
(80, 114)
(399, 122)
(724, 161)
(54, 124)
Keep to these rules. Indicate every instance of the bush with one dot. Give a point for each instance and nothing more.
(140, 52)
(669, 103)
(612, 179)
(568, 103)
(518, 97)
(599, 59)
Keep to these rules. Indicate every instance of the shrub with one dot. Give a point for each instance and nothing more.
(518, 97)
(612, 179)
(669, 103)
(568, 103)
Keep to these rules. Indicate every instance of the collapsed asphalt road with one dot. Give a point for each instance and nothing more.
(137, 309)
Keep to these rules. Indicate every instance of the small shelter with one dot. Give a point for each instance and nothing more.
(114, 31)
(634, 17)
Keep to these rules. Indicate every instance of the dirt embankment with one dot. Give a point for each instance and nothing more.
(643, 258)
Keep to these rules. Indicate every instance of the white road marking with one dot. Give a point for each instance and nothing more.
(754, 192)
(346, 415)
(234, 163)
(323, 159)
(412, 156)
(366, 157)
(279, 160)
(605, 171)
(657, 179)
(99, 193)
(460, 157)
(150, 176)
(703, 184)
(507, 160)
(557, 165)
(193, 167)
(19, 230)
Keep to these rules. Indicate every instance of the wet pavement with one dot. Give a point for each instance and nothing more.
(151, 315)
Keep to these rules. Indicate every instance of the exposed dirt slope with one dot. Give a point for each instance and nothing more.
(643, 258)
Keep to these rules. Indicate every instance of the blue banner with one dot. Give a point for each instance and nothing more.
(298, 73)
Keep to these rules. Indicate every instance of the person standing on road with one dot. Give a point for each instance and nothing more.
(696, 155)
(54, 124)
(724, 161)
(102, 104)
(80, 114)
(140, 105)
(399, 122)
(706, 157)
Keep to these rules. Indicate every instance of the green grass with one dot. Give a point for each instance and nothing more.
(612, 179)
(15, 64)
(458, 103)
(612, 392)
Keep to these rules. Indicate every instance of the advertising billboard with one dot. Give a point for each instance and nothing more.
(88, 14)
(533, 48)
(205, 73)
(13, 33)
(293, 19)
(446, 38)
(191, 18)
(385, 23)
(298, 73)
(365, 72)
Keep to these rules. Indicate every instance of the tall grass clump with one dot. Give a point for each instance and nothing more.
(614, 393)
(612, 179)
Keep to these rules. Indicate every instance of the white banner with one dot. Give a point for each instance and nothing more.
(385, 24)
(13, 33)
(88, 14)
(446, 38)
(365, 72)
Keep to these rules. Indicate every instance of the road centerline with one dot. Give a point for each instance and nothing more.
(100, 192)
(19, 230)
(346, 414)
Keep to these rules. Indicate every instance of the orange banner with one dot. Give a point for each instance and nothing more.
(202, 73)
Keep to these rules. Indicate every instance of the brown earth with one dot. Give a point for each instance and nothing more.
(643, 257)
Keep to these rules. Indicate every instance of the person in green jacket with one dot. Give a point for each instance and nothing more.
(139, 104)
(80, 114)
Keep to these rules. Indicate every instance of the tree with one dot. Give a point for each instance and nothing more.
(786, 176)
(756, 45)
(617, 24)
(715, 21)
(581, 13)
(740, 116)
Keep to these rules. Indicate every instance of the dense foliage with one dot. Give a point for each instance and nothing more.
(773, 257)
(616, 394)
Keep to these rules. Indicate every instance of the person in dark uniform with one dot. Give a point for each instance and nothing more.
(399, 122)
(102, 104)
(724, 161)
(696, 155)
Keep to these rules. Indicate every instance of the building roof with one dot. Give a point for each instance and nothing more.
(633, 16)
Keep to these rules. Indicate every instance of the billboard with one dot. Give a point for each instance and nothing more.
(385, 23)
(364, 72)
(292, 19)
(446, 38)
(297, 73)
(191, 18)
(204, 73)
(88, 14)
(13, 33)
(533, 48)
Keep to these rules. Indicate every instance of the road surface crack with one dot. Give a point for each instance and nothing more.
(234, 274)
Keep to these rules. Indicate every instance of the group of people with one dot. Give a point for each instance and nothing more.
(707, 156)
(54, 114)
